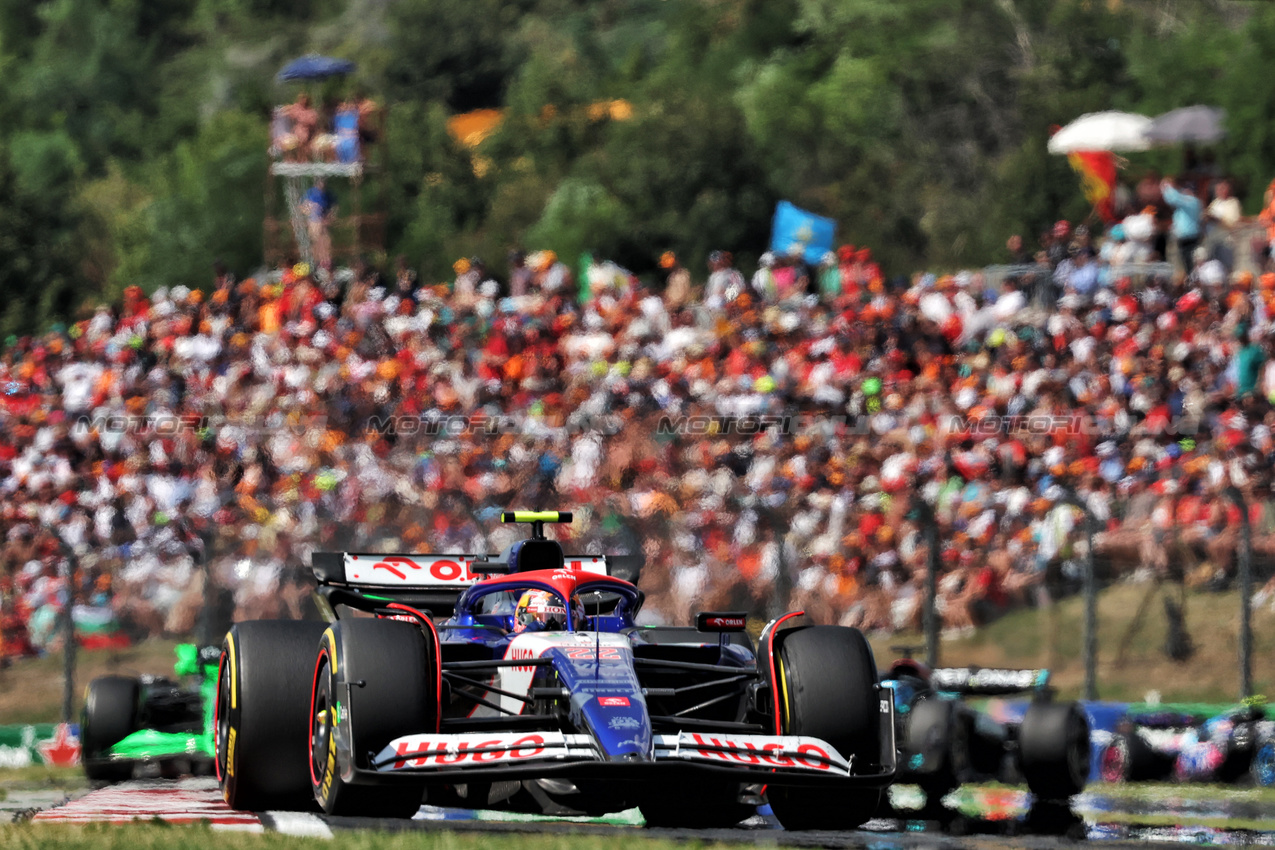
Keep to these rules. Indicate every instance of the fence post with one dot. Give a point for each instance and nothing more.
(70, 562)
(1245, 567)
(1091, 599)
(1091, 613)
(930, 531)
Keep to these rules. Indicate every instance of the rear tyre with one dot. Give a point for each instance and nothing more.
(936, 747)
(693, 806)
(827, 682)
(395, 696)
(110, 715)
(1053, 743)
(260, 718)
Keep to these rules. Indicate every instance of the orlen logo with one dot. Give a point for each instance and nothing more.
(726, 622)
(613, 702)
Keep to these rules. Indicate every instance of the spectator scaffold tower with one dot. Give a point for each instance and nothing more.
(323, 155)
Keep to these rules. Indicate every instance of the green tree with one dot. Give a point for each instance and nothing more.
(208, 204)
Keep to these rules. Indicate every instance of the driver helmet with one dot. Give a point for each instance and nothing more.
(539, 610)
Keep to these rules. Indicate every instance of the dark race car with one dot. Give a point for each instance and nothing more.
(521, 682)
(131, 720)
(946, 742)
(1159, 743)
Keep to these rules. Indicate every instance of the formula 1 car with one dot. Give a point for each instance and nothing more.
(946, 742)
(521, 682)
(1158, 743)
(152, 719)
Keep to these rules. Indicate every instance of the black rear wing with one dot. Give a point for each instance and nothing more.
(988, 681)
(368, 580)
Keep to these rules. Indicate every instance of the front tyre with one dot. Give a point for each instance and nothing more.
(378, 676)
(110, 715)
(1053, 743)
(827, 682)
(260, 717)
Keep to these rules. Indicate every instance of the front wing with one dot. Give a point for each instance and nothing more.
(773, 759)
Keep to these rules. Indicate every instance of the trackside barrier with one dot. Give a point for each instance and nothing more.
(39, 743)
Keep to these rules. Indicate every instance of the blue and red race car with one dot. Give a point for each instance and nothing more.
(521, 681)
(1158, 743)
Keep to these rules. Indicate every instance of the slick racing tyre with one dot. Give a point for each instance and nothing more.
(1053, 743)
(1128, 758)
(378, 674)
(936, 747)
(827, 681)
(260, 720)
(110, 715)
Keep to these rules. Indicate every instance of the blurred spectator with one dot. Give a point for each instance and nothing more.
(301, 415)
(725, 283)
(519, 274)
(319, 207)
(677, 286)
(1186, 217)
(345, 125)
(304, 124)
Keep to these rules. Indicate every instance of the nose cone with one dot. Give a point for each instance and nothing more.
(607, 701)
(620, 725)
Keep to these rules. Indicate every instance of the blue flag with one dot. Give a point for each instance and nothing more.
(795, 226)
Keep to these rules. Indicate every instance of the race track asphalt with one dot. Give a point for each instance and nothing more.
(1004, 826)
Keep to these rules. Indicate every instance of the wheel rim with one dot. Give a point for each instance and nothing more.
(221, 719)
(321, 721)
(1264, 765)
(1113, 762)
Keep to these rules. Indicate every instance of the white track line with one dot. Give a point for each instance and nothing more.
(303, 824)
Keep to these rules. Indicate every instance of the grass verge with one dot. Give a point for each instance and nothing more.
(1182, 821)
(31, 689)
(1159, 792)
(152, 836)
(40, 777)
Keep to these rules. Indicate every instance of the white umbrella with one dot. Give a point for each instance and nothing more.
(1103, 131)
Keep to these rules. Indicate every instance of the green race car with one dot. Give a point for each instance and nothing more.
(152, 719)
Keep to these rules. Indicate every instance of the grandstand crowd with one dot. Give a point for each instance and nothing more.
(764, 440)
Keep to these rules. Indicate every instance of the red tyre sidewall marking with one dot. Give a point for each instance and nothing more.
(314, 689)
(770, 659)
(438, 659)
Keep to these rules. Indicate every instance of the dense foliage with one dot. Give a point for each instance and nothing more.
(133, 132)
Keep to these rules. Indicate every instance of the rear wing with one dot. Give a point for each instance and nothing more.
(432, 582)
(988, 681)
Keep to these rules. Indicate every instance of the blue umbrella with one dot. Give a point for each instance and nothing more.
(314, 67)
